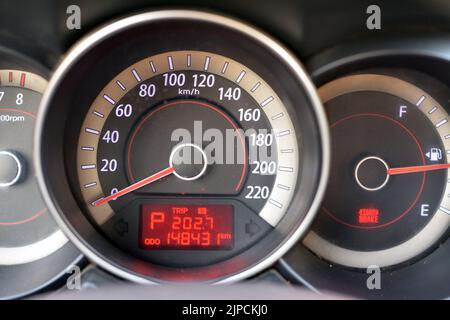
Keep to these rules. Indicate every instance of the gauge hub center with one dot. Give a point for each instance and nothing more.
(189, 161)
(10, 169)
(371, 173)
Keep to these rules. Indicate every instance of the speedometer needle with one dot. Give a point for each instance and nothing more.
(403, 170)
(159, 175)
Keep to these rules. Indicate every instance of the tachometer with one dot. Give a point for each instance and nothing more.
(186, 154)
(29, 238)
(27, 231)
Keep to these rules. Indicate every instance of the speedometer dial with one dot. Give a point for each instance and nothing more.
(187, 157)
(194, 99)
(188, 136)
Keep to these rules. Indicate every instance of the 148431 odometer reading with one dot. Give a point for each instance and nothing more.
(187, 227)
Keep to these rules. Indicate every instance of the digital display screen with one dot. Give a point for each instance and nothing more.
(189, 227)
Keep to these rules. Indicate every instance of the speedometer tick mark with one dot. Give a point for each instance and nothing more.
(93, 203)
(93, 131)
(207, 60)
(88, 166)
(189, 61)
(241, 76)
(121, 86)
(432, 110)
(90, 185)
(441, 123)
(225, 67)
(256, 86)
(266, 102)
(136, 75)
(275, 203)
(279, 115)
(284, 133)
(109, 99)
(170, 62)
(152, 66)
(285, 169)
(98, 114)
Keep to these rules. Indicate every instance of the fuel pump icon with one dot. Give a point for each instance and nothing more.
(434, 154)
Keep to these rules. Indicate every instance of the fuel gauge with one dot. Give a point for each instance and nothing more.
(388, 196)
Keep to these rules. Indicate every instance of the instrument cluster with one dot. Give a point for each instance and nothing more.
(187, 146)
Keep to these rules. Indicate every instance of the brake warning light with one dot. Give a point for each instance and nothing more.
(368, 215)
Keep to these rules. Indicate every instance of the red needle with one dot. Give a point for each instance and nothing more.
(161, 174)
(413, 169)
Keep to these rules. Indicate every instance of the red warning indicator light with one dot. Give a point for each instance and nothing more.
(368, 215)
(189, 227)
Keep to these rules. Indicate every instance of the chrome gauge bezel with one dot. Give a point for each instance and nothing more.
(64, 206)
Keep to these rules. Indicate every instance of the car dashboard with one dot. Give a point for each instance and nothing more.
(299, 147)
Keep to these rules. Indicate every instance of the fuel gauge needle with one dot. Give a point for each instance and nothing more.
(154, 177)
(413, 169)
